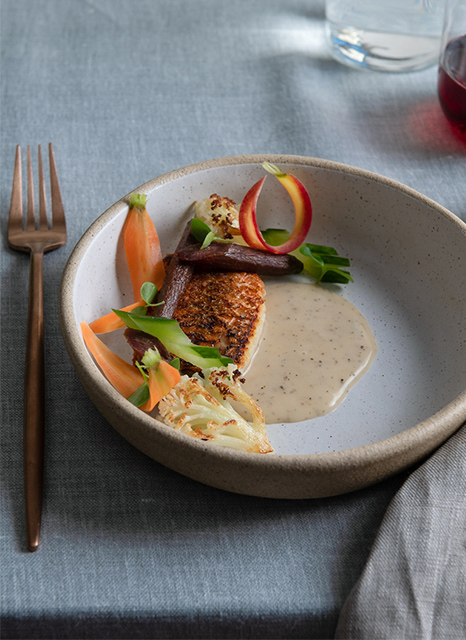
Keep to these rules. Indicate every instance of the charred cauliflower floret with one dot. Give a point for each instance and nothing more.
(220, 214)
(199, 407)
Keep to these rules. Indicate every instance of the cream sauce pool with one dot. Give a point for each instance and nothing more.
(315, 346)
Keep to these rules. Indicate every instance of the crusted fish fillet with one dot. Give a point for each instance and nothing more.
(226, 311)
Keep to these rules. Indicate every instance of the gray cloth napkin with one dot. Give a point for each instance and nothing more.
(414, 583)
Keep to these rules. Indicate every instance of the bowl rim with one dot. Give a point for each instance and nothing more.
(424, 436)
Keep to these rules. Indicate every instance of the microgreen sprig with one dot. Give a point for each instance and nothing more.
(203, 233)
(148, 294)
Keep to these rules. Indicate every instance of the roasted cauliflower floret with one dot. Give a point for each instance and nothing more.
(220, 214)
(199, 407)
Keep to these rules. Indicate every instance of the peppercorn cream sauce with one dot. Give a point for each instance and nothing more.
(315, 346)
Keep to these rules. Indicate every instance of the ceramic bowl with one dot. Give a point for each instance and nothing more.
(409, 265)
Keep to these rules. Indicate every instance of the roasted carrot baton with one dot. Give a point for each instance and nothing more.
(142, 246)
(110, 321)
(123, 376)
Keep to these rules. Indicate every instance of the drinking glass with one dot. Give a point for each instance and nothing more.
(452, 67)
(385, 35)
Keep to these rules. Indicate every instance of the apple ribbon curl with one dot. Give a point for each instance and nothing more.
(302, 207)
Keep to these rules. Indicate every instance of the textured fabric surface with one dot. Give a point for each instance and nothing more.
(127, 90)
(414, 583)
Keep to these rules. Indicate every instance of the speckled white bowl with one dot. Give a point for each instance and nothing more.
(409, 263)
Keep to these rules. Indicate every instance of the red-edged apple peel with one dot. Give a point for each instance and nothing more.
(302, 207)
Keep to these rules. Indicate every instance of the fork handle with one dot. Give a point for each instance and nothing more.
(34, 404)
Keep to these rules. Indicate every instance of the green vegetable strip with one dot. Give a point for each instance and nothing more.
(142, 393)
(321, 262)
(318, 248)
(170, 334)
(337, 276)
(325, 266)
(140, 396)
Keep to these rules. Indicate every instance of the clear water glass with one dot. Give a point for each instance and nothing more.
(385, 35)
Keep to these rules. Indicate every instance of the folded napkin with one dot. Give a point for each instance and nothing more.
(414, 583)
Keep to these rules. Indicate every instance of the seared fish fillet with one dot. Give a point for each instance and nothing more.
(226, 311)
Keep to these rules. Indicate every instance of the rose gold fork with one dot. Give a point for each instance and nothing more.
(36, 240)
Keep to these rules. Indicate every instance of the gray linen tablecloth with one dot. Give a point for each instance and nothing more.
(127, 90)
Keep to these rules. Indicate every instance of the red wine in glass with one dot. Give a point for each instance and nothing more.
(452, 84)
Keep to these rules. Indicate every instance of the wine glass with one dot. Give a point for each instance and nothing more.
(452, 67)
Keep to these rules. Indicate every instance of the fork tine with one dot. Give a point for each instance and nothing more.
(42, 200)
(30, 193)
(16, 205)
(58, 212)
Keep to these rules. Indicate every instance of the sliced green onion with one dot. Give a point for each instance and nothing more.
(321, 262)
